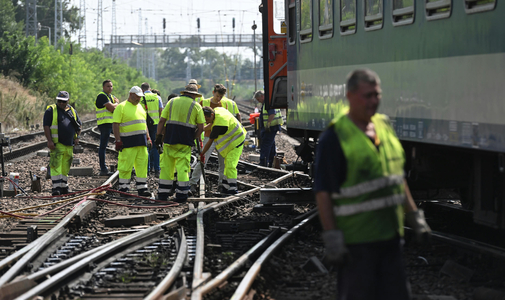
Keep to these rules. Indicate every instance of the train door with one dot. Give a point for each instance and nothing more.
(274, 53)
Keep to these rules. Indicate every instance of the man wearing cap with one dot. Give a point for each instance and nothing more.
(132, 137)
(62, 127)
(229, 135)
(270, 123)
(153, 106)
(105, 104)
(184, 121)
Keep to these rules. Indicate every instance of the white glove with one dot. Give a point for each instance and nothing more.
(336, 251)
(418, 223)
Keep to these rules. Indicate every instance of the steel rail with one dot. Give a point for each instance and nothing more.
(64, 274)
(198, 275)
(72, 265)
(249, 278)
(234, 267)
(27, 150)
(27, 253)
(174, 272)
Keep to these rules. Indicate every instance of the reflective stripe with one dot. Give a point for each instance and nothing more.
(164, 191)
(137, 132)
(233, 139)
(121, 180)
(132, 122)
(103, 118)
(228, 135)
(60, 184)
(54, 135)
(183, 183)
(181, 123)
(185, 192)
(166, 181)
(190, 110)
(141, 186)
(368, 186)
(54, 127)
(57, 177)
(153, 111)
(369, 205)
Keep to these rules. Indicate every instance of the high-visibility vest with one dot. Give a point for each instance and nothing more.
(153, 106)
(54, 124)
(103, 116)
(234, 136)
(180, 126)
(133, 127)
(225, 103)
(368, 207)
(231, 106)
(277, 119)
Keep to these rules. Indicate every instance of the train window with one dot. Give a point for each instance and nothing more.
(325, 19)
(347, 17)
(403, 12)
(292, 22)
(305, 21)
(373, 14)
(476, 6)
(279, 17)
(438, 9)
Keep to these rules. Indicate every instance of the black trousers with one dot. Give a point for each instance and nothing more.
(375, 272)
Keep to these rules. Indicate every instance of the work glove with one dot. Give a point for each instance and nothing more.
(149, 145)
(418, 223)
(202, 158)
(159, 140)
(119, 145)
(336, 251)
(268, 127)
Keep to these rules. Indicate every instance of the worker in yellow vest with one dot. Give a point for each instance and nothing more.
(362, 195)
(153, 106)
(62, 127)
(184, 121)
(105, 104)
(132, 141)
(229, 135)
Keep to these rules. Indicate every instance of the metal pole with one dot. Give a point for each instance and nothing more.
(254, 50)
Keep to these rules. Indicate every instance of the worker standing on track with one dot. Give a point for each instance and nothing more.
(62, 127)
(105, 104)
(361, 196)
(270, 123)
(184, 121)
(132, 137)
(153, 105)
(229, 135)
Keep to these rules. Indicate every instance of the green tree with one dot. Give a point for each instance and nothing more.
(8, 21)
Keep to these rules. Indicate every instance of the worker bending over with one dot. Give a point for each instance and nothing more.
(229, 135)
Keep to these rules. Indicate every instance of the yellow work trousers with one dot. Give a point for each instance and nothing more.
(230, 170)
(59, 163)
(175, 158)
(127, 159)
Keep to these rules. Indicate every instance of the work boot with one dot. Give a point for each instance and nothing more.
(106, 173)
(56, 192)
(144, 193)
(64, 191)
(157, 173)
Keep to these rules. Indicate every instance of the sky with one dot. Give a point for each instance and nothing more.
(215, 17)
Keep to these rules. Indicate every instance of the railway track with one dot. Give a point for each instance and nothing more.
(212, 247)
